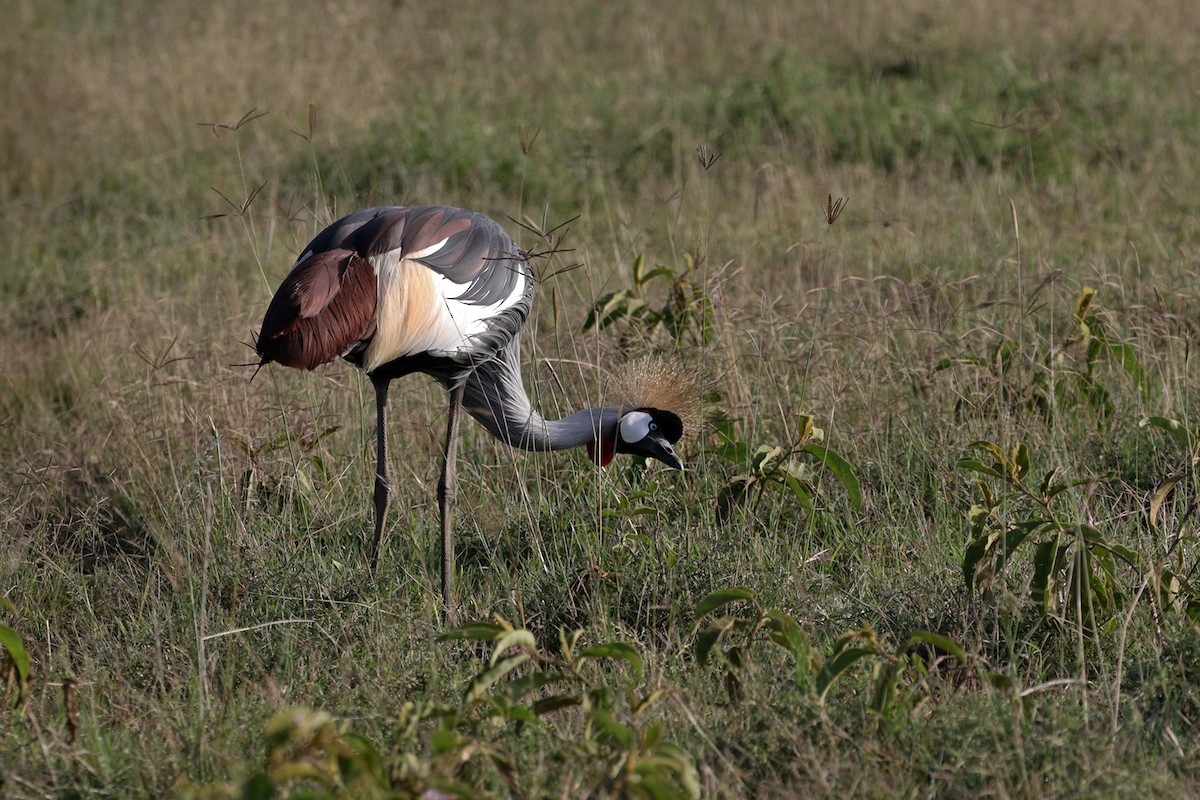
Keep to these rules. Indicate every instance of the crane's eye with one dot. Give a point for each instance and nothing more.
(653, 426)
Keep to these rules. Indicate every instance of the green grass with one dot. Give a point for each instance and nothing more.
(186, 548)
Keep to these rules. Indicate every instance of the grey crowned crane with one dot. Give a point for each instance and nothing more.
(444, 291)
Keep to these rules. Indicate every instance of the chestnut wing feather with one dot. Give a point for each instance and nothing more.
(324, 307)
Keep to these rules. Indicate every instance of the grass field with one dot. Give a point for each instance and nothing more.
(976, 578)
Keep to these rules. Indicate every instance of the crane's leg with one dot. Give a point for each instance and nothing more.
(381, 477)
(446, 492)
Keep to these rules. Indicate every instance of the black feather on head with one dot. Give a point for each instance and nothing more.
(668, 422)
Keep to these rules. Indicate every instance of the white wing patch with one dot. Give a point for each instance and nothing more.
(419, 310)
(428, 251)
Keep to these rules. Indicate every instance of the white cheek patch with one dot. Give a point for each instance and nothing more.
(635, 426)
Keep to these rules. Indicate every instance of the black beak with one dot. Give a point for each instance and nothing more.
(659, 448)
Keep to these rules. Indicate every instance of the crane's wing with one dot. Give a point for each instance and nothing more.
(437, 280)
(325, 306)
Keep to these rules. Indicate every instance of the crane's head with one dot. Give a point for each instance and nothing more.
(661, 406)
(650, 432)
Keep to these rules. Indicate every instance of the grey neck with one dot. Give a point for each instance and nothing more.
(496, 398)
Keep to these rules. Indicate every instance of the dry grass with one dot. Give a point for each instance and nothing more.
(996, 161)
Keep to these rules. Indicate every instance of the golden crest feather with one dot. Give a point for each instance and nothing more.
(665, 383)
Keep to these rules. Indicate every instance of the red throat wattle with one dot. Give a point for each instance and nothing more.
(605, 454)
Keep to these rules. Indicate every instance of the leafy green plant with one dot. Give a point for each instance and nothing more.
(16, 658)
(684, 309)
(1053, 383)
(1074, 566)
(1098, 341)
(455, 749)
(905, 665)
(628, 760)
(792, 468)
(255, 486)
(1174, 576)
(732, 638)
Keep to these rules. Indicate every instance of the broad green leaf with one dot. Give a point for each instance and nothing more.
(652, 736)
(976, 550)
(649, 786)
(1095, 539)
(638, 267)
(943, 643)
(885, 686)
(763, 456)
(520, 713)
(12, 643)
(1020, 460)
(1082, 302)
(1176, 429)
(721, 598)
(516, 638)
(736, 452)
(480, 631)
(806, 427)
(609, 725)
(1000, 681)
(1169, 586)
(621, 650)
(668, 773)
(737, 656)
(1098, 397)
(989, 501)
(799, 470)
(486, 679)
(708, 638)
(556, 701)
(977, 466)
(1003, 467)
(258, 787)
(1045, 561)
(1128, 359)
(800, 491)
(658, 272)
(841, 469)
(785, 632)
(1160, 497)
(1015, 536)
(840, 663)
(977, 518)
(733, 682)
